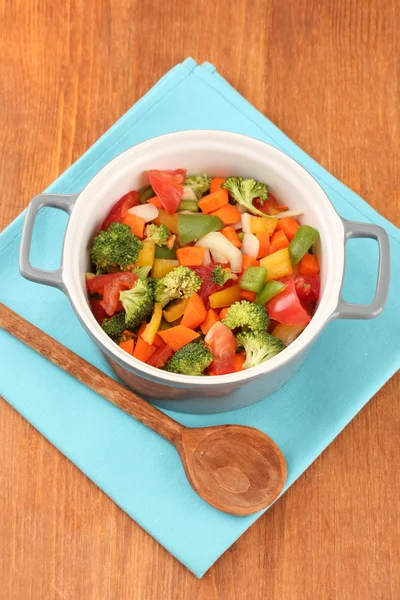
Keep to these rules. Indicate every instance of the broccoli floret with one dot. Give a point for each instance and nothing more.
(158, 233)
(115, 326)
(138, 303)
(142, 272)
(244, 191)
(181, 282)
(115, 247)
(200, 184)
(220, 276)
(192, 359)
(259, 347)
(248, 315)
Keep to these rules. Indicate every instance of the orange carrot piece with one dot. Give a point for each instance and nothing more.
(177, 337)
(156, 201)
(191, 256)
(195, 312)
(263, 238)
(232, 236)
(158, 343)
(239, 360)
(228, 214)
(214, 201)
(127, 345)
(279, 241)
(216, 183)
(288, 225)
(309, 265)
(136, 224)
(143, 350)
(249, 261)
(211, 318)
(223, 312)
(247, 295)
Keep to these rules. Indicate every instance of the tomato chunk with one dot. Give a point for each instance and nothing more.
(223, 347)
(168, 185)
(286, 307)
(307, 288)
(119, 211)
(110, 287)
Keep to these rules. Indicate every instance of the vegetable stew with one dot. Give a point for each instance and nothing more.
(203, 275)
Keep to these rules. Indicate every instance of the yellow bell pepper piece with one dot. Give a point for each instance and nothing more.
(146, 254)
(170, 221)
(175, 311)
(225, 297)
(278, 264)
(162, 266)
(154, 325)
(287, 333)
(263, 225)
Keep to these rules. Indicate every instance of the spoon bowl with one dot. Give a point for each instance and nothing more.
(237, 469)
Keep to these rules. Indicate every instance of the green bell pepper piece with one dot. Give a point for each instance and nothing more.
(302, 241)
(270, 290)
(145, 194)
(164, 252)
(253, 279)
(193, 227)
(188, 205)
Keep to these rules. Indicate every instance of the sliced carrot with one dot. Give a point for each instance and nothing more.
(177, 337)
(213, 201)
(279, 241)
(228, 214)
(232, 236)
(209, 321)
(309, 265)
(216, 183)
(191, 256)
(136, 224)
(195, 312)
(156, 201)
(143, 350)
(127, 345)
(263, 238)
(246, 295)
(223, 312)
(289, 226)
(239, 360)
(249, 261)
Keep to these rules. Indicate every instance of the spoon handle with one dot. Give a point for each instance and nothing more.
(87, 374)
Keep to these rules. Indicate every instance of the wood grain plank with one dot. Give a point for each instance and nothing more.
(326, 72)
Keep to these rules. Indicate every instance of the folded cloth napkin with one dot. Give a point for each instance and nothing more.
(137, 469)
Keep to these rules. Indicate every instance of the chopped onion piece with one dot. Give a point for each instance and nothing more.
(222, 250)
(289, 213)
(148, 212)
(207, 257)
(237, 225)
(188, 193)
(246, 223)
(250, 245)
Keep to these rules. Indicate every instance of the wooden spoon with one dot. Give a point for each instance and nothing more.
(237, 469)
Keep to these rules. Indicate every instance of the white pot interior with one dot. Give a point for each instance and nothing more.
(217, 153)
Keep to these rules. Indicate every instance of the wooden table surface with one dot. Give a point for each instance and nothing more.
(327, 73)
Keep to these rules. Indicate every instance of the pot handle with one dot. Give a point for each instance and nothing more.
(347, 310)
(53, 278)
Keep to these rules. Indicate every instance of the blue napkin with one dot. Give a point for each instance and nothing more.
(137, 469)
